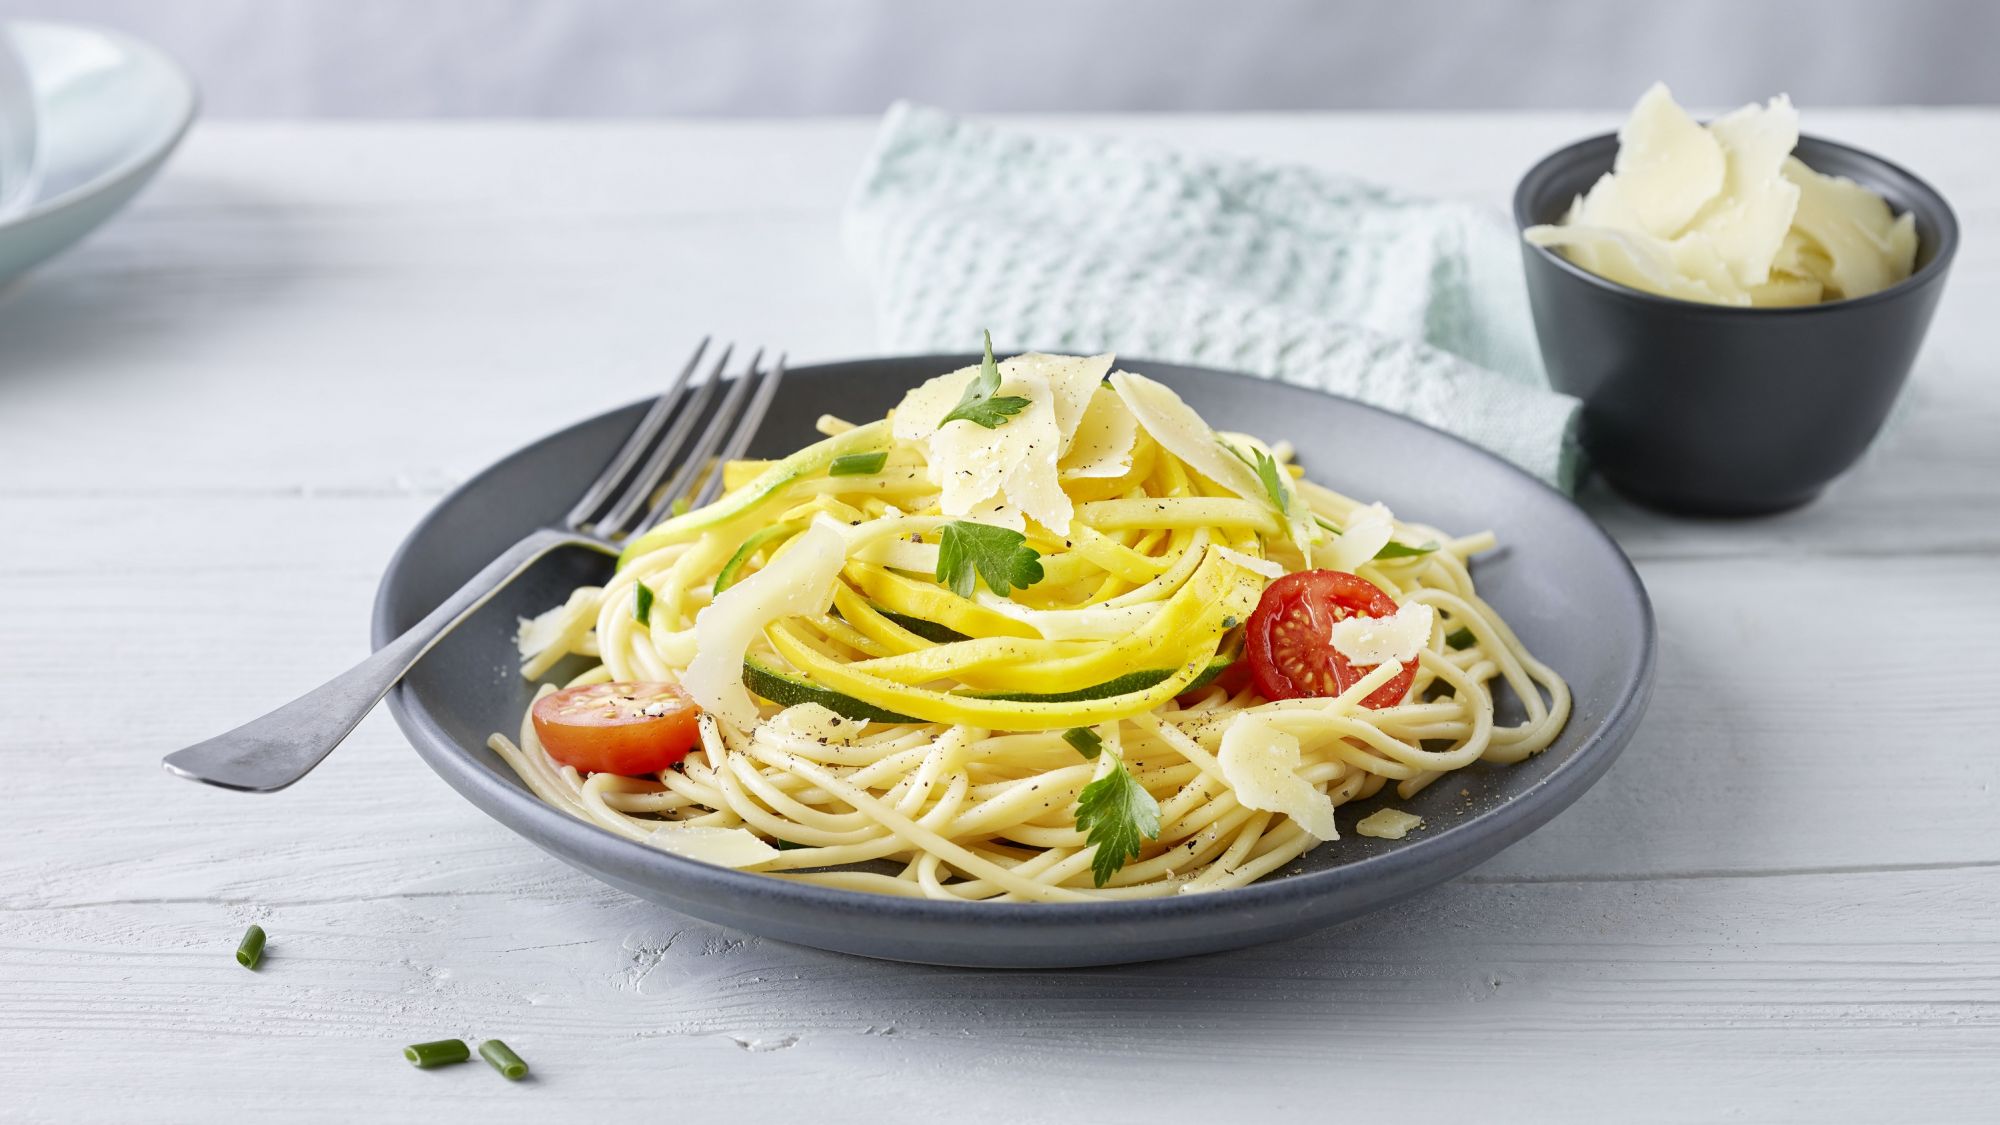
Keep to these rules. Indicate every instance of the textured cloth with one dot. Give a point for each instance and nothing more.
(1086, 245)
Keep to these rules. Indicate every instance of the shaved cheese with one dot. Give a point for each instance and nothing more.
(798, 581)
(723, 847)
(1251, 563)
(813, 723)
(1367, 641)
(1103, 441)
(1366, 531)
(1725, 215)
(1668, 166)
(1748, 221)
(1091, 623)
(1073, 381)
(1389, 824)
(1182, 432)
(1261, 762)
(544, 629)
(1865, 247)
(1007, 474)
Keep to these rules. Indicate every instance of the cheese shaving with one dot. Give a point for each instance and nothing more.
(1388, 824)
(798, 581)
(1362, 535)
(1252, 563)
(1367, 641)
(1005, 475)
(723, 847)
(1261, 762)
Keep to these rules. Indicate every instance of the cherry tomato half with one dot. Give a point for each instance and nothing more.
(1289, 641)
(633, 729)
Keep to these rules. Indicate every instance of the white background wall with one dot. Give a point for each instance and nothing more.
(397, 58)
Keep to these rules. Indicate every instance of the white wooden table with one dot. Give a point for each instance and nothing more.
(219, 416)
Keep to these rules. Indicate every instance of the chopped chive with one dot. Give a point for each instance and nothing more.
(503, 1059)
(1085, 740)
(443, 1052)
(681, 506)
(250, 950)
(642, 605)
(858, 464)
(1461, 638)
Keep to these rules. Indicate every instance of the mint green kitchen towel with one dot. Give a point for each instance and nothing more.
(1058, 241)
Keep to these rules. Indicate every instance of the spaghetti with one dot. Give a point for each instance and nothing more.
(1090, 733)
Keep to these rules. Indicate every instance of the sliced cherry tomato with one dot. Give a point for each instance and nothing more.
(1289, 642)
(633, 729)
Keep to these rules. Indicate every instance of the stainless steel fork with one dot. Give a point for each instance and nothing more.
(667, 458)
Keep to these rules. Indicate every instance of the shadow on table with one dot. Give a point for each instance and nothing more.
(191, 257)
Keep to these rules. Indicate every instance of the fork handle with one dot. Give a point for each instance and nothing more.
(266, 754)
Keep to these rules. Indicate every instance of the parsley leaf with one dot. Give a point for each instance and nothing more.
(1270, 473)
(979, 406)
(1117, 814)
(642, 604)
(1461, 638)
(999, 555)
(858, 464)
(1085, 740)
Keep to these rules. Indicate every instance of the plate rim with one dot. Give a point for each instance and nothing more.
(1428, 861)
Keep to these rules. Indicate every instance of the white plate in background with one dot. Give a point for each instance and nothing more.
(107, 109)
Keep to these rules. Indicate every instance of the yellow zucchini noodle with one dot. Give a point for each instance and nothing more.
(930, 747)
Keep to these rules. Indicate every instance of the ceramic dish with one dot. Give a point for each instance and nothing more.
(1558, 580)
(108, 110)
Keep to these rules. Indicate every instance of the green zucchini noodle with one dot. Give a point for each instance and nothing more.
(930, 747)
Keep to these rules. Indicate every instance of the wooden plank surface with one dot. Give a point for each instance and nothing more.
(219, 416)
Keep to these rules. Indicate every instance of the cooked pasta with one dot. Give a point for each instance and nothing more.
(1090, 650)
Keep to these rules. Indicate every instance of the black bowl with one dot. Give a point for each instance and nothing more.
(1716, 409)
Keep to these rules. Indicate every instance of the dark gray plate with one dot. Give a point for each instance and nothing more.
(1558, 579)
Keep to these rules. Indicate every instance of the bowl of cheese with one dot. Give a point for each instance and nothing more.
(1737, 305)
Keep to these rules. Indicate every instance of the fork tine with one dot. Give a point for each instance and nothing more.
(737, 431)
(639, 490)
(746, 429)
(635, 446)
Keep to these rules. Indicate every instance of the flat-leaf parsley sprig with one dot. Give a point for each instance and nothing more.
(980, 406)
(1117, 814)
(1270, 473)
(999, 555)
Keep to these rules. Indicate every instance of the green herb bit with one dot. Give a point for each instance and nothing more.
(681, 506)
(250, 950)
(1117, 815)
(1395, 550)
(1269, 472)
(443, 1052)
(999, 555)
(642, 605)
(858, 464)
(1460, 638)
(1230, 622)
(1085, 740)
(503, 1059)
(788, 846)
(979, 405)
